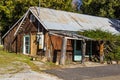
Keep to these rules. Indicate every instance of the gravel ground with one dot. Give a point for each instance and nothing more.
(88, 73)
(29, 75)
(24, 74)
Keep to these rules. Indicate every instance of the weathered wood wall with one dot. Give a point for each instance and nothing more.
(52, 44)
(53, 48)
(10, 41)
(15, 43)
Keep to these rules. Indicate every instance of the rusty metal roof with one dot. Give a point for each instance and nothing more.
(68, 21)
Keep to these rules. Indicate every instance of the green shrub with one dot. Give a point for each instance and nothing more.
(114, 41)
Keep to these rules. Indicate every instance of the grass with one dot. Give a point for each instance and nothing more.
(12, 63)
(51, 65)
(8, 61)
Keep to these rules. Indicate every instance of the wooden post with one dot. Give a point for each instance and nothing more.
(83, 50)
(101, 51)
(90, 55)
(63, 51)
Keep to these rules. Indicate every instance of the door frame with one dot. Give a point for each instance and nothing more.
(77, 53)
(24, 49)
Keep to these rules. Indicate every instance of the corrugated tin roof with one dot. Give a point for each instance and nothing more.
(68, 21)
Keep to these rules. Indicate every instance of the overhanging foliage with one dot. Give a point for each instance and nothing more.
(112, 42)
(100, 35)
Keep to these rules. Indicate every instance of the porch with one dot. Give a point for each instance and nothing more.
(74, 48)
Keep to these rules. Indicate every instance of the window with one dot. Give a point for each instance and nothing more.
(32, 18)
(40, 39)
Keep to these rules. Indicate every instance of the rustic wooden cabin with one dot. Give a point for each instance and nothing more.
(52, 33)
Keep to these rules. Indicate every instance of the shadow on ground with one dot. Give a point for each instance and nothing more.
(82, 73)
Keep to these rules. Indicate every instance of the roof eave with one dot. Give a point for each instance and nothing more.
(21, 22)
(12, 27)
(39, 20)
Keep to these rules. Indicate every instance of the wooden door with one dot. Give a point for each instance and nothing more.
(33, 46)
(77, 50)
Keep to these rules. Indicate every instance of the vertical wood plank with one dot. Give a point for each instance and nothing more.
(33, 45)
(63, 51)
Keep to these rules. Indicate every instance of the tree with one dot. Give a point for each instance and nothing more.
(104, 8)
(12, 10)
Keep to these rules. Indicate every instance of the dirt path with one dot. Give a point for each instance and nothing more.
(88, 71)
(27, 74)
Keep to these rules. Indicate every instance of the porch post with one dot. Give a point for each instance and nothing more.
(90, 55)
(101, 51)
(63, 51)
(83, 50)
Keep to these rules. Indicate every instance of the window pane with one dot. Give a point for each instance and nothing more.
(26, 38)
(27, 44)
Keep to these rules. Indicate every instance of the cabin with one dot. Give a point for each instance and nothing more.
(53, 34)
